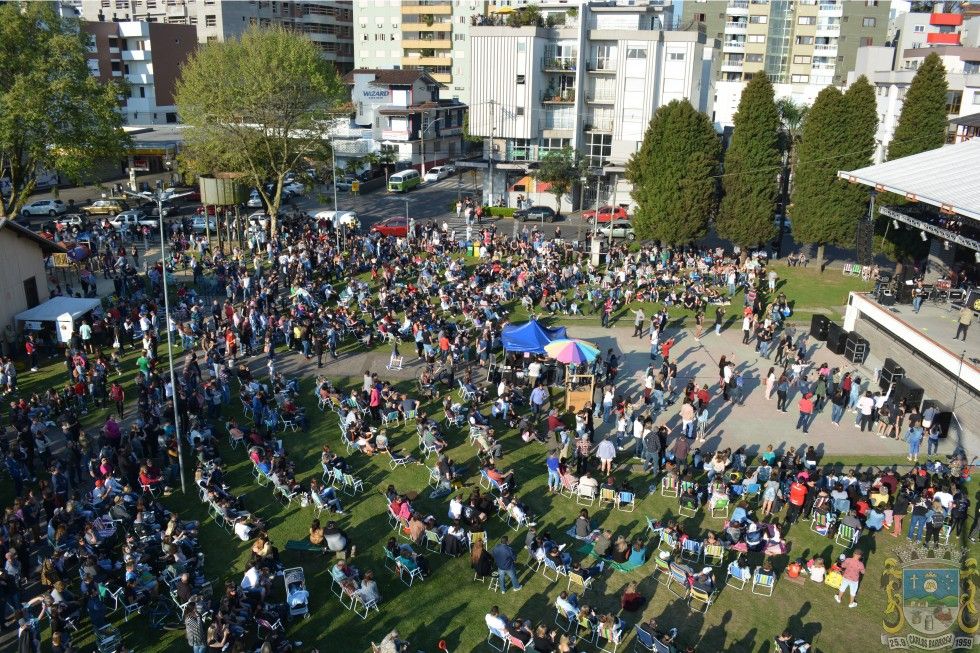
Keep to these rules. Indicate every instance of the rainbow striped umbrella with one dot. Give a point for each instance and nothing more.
(570, 350)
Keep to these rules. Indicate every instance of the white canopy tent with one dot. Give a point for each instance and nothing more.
(62, 311)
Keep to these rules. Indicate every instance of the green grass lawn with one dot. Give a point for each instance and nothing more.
(450, 605)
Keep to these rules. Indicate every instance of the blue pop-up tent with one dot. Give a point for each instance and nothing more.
(529, 337)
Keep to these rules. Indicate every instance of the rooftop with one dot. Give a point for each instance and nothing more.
(390, 77)
(945, 177)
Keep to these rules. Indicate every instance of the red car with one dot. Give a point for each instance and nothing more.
(397, 226)
(605, 214)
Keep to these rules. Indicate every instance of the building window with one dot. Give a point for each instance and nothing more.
(546, 145)
(758, 20)
(869, 21)
(754, 58)
(598, 148)
(521, 47)
(210, 20)
(364, 37)
(459, 37)
(953, 101)
(756, 38)
(866, 41)
(918, 29)
(520, 79)
(801, 59)
(212, 39)
(804, 40)
(520, 111)
(636, 53)
(800, 79)
(676, 56)
(807, 20)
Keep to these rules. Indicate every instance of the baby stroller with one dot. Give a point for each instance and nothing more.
(297, 597)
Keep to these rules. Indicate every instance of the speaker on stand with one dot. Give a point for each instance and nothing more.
(855, 348)
(818, 327)
(907, 389)
(836, 337)
(891, 372)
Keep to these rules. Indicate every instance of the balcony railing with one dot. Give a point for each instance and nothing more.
(825, 47)
(564, 96)
(736, 26)
(601, 98)
(601, 66)
(560, 64)
(735, 45)
(738, 4)
(599, 125)
(831, 8)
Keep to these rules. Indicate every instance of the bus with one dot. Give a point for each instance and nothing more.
(404, 181)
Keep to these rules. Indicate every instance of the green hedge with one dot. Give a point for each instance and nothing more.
(499, 211)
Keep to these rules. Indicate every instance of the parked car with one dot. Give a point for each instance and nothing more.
(105, 207)
(396, 226)
(74, 220)
(621, 228)
(536, 213)
(132, 218)
(345, 182)
(436, 173)
(44, 207)
(254, 200)
(260, 218)
(199, 226)
(294, 188)
(606, 213)
(150, 208)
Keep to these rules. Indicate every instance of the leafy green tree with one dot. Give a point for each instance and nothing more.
(859, 122)
(817, 218)
(264, 124)
(561, 169)
(750, 181)
(922, 125)
(54, 115)
(674, 175)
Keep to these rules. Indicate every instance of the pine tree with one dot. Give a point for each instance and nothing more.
(814, 209)
(750, 181)
(673, 175)
(922, 125)
(860, 123)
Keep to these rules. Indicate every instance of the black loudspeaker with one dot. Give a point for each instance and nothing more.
(891, 372)
(818, 327)
(836, 337)
(493, 375)
(855, 348)
(943, 417)
(887, 299)
(909, 390)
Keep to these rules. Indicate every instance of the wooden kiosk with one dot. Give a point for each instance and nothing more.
(579, 390)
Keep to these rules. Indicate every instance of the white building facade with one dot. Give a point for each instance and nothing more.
(592, 84)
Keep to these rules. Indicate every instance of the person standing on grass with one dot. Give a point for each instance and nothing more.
(504, 558)
(194, 628)
(638, 322)
(851, 569)
(719, 318)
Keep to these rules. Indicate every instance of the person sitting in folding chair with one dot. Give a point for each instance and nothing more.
(328, 496)
(704, 581)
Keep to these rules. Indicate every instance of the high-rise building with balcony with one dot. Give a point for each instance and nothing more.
(802, 45)
(428, 35)
(328, 23)
(591, 81)
(148, 57)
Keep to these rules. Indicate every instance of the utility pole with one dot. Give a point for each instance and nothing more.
(422, 137)
(612, 214)
(493, 129)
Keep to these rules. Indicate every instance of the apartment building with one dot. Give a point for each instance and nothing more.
(148, 57)
(429, 35)
(400, 111)
(891, 72)
(329, 24)
(802, 45)
(591, 82)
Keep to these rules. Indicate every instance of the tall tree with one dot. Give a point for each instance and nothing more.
(674, 175)
(922, 125)
(260, 124)
(816, 216)
(859, 123)
(751, 170)
(561, 169)
(54, 115)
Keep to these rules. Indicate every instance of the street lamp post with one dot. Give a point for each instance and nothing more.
(158, 196)
(422, 131)
(612, 214)
(333, 175)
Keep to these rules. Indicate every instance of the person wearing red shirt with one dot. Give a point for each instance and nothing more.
(851, 569)
(797, 497)
(806, 412)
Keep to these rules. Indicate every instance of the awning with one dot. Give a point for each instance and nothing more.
(528, 184)
(58, 308)
(529, 337)
(945, 177)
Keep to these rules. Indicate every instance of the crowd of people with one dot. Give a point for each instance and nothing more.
(297, 294)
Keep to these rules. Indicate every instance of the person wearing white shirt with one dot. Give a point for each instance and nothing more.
(251, 579)
(865, 406)
(533, 372)
(495, 620)
(455, 508)
(945, 499)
